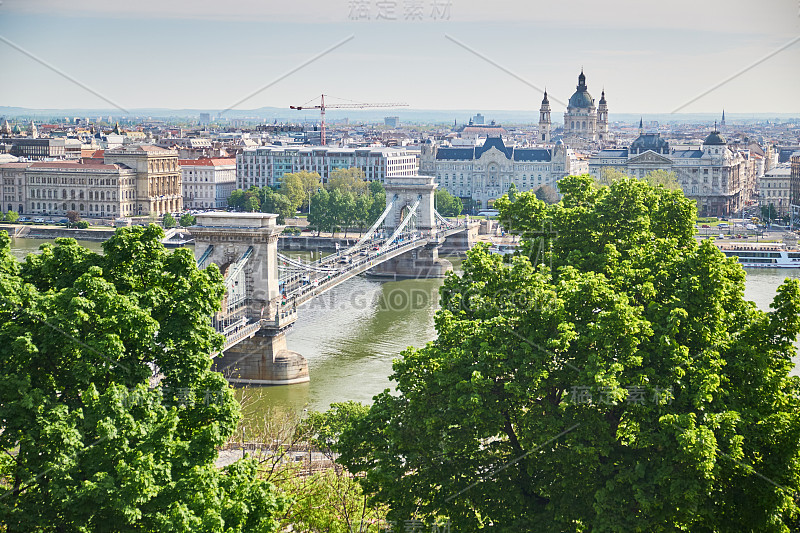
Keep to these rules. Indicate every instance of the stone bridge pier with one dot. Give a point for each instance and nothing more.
(245, 247)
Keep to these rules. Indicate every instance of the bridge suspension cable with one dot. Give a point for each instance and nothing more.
(372, 228)
(203, 258)
(238, 266)
(412, 212)
(443, 220)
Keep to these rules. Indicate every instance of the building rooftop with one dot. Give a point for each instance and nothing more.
(207, 162)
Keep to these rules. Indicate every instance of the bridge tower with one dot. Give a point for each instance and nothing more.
(245, 247)
(402, 193)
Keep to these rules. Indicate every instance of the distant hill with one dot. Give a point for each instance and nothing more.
(427, 116)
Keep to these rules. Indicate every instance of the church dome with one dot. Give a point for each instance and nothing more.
(714, 138)
(581, 98)
(650, 141)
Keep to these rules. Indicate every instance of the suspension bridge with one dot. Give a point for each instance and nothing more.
(265, 288)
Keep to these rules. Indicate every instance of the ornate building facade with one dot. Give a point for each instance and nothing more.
(582, 120)
(485, 173)
(158, 177)
(715, 176)
(134, 181)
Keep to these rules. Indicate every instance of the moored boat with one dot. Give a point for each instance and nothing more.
(762, 255)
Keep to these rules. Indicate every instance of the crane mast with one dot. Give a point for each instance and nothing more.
(354, 105)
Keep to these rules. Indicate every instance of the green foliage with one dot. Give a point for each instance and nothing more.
(11, 216)
(251, 204)
(768, 212)
(346, 202)
(613, 378)
(298, 187)
(82, 224)
(324, 429)
(169, 221)
(348, 180)
(265, 200)
(93, 447)
(447, 204)
(187, 219)
(664, 178)
(545, 193)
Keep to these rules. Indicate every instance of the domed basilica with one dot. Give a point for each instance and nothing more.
(582, 120)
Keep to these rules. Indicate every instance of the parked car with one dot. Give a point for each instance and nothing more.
(24, 219)
(38, 220)
(63, 221)
(722, 225)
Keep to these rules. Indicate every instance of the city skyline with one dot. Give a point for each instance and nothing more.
(441, 55)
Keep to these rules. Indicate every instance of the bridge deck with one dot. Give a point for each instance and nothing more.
(298, 291)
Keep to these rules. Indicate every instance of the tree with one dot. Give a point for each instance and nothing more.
(73, 216)
(90, 444)
(614, 379)
(346, 180)
(279, 204)
(378, 205)
(361, 211)
(768, 212)
(298, 187)
(187, 219)
(319, 213)
(667, 179)
(545, 193)
(251, 204)
(447, 204)
(12, 216)
(236, 199)
(169, 221)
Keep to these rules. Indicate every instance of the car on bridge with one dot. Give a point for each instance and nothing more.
(345, 260)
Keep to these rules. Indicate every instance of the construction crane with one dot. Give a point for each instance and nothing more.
(322, 107)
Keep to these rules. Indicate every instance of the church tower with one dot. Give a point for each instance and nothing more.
(544, 120)
(722, 124)
(602, 117)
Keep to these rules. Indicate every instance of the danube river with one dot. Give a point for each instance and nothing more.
(351, 334)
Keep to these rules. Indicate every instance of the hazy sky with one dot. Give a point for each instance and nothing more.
(651, 57)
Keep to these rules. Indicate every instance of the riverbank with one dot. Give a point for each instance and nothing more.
(57, 232)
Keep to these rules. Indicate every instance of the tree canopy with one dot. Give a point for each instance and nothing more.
(91, 444)
(612, 377)
(447, 204)
(297, 187)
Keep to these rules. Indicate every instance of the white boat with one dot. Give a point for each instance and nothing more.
(502, 249)
(766, 255)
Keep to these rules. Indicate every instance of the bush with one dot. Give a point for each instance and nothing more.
(187, 219)
(81, 224)
(169, 221)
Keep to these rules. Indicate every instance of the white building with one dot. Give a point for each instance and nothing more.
(774, 188)
(208, 182)
(485, 173)
(266, 165)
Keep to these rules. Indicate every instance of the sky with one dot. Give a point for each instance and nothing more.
(650, 57)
